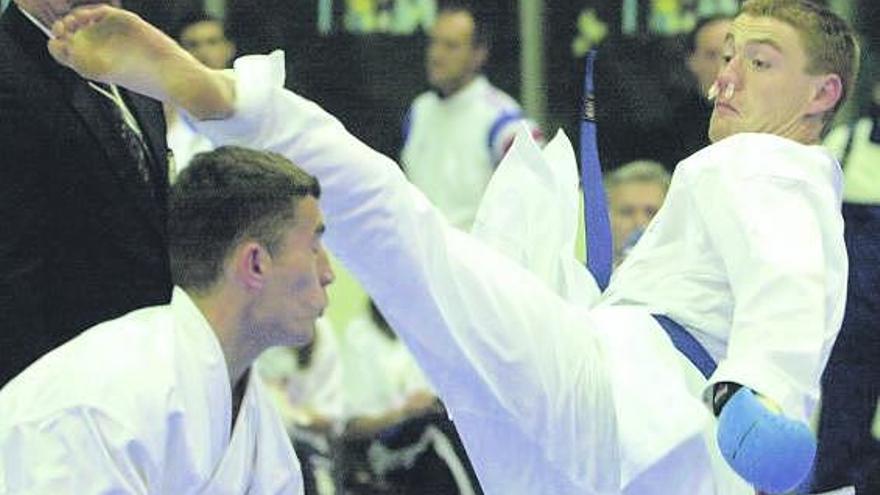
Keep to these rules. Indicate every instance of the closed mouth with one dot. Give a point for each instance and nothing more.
(726, 108)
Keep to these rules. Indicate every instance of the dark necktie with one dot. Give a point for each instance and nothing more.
(125, 126)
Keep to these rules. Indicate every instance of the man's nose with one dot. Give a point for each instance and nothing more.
(728, 80)
(325, 270)
(643, 218)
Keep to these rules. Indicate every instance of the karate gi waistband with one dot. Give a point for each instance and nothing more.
(687, 345)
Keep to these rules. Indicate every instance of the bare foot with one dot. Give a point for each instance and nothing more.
(111, 45)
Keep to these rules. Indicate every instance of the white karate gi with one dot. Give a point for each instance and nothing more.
(184, 142)
(453, 145)
(141, 405)
(549, 395)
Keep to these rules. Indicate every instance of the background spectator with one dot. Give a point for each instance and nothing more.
(635, 193)
(455, 134)
(205, 38)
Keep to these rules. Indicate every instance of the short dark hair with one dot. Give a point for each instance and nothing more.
(191, 18)
(691, 39)
(225, 197)
(482, 32)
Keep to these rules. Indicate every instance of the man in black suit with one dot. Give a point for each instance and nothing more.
(83, 184)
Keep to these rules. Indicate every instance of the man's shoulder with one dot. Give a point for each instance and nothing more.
(499, 98)
(492, 100)
(748, 155)
(120, 367)
(426, 98)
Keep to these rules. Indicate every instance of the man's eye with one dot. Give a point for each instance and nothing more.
(726, 58)
(760, 64)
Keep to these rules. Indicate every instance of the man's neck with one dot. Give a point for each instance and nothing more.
(227, 321)
(809, 133)
(449, 93)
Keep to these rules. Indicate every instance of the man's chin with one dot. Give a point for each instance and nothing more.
(303, 335)
(718, 131)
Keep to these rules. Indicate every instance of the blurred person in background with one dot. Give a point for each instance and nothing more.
(383, 384)
(456, 133)
(705, 47)
(689, 129)
(205, 38)
(635, 193)
(397, 435)
(305, 384)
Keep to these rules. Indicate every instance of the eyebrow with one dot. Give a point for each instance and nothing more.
(757, 41)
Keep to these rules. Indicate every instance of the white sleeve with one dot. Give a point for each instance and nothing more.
(502, 136)
(79, 451)
(768, 229)
(498, 345)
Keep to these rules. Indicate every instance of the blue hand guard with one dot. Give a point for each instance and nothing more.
(770, 451)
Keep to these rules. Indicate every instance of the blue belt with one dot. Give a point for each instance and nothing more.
(597, 226)
(687, 345)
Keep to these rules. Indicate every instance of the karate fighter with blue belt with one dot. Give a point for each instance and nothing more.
(693, 372)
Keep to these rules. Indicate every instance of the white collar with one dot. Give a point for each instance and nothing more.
(474, 86)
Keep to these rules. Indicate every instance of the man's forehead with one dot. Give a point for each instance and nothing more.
(308, 212)
(458, 22)
(770, 31)
(635, 188)
(201, 27)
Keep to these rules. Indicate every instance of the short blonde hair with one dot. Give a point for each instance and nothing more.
(638, 171)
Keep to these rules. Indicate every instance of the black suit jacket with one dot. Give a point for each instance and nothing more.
(82, 239)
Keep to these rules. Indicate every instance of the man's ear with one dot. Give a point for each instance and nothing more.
(828, 91)
(691, 63)
(250, 263)
(231, 49)
(481, 57)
